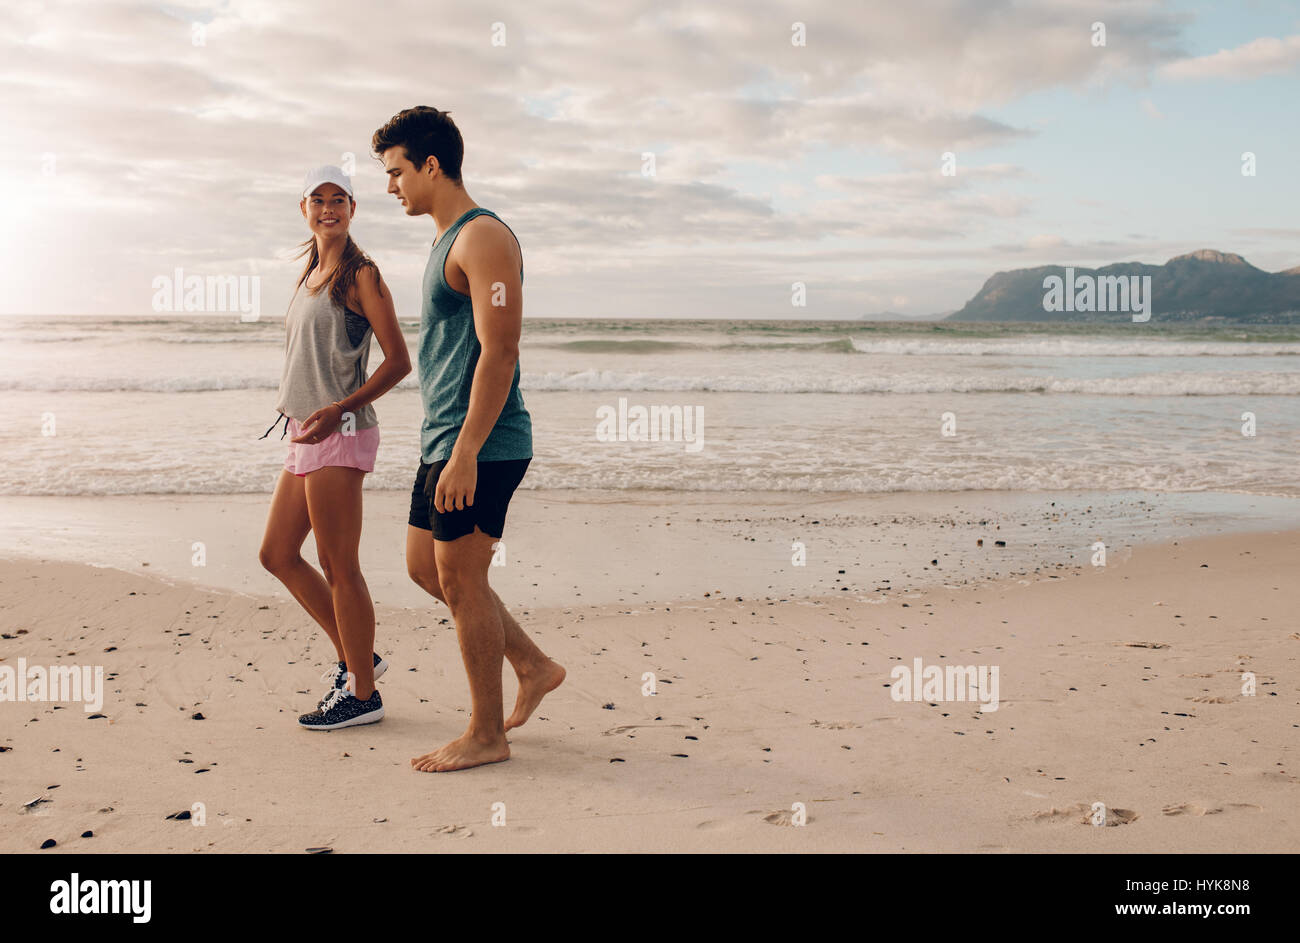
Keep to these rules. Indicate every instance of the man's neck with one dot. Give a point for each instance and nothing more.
(456, 205)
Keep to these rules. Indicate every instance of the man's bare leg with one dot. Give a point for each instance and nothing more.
(537, 674)
(462, 571)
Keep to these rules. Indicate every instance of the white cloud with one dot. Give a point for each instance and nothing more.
(172, 154)
(1045, 241)
(1265, 56)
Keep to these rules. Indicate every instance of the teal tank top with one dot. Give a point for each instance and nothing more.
(448, 353)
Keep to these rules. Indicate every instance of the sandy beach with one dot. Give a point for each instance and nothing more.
(1120, 685)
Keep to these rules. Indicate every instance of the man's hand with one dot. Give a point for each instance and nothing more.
(456, 485)
(319, 425)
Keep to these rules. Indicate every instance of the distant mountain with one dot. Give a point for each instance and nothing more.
(1205, 284)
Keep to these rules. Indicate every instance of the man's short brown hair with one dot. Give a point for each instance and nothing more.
(423, 132)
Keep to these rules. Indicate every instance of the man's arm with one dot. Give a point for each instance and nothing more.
(491, 265)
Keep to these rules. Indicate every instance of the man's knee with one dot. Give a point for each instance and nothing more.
(426, 580)
(462, 567)
(459, 582)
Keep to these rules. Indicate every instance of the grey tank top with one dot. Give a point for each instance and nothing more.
(326, 349)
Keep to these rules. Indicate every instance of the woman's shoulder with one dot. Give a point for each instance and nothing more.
(368, 272)
(365, 282)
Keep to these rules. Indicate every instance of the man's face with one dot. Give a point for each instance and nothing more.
(413, 186)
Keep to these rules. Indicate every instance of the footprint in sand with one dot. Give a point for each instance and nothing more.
(1278, 776)
(455, 831)
(1191, 808)
(1113, 817)
(1206, 699)
(1081, 813)
(626, 727)
(836, 724)
(783, 817)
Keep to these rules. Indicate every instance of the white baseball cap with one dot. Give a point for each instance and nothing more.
(326, 173)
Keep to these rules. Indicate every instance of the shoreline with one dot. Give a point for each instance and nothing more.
(578, 547)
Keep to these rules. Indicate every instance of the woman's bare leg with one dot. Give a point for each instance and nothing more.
(334, 509)
(287, 526)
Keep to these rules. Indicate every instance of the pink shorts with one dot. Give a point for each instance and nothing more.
(350, 451)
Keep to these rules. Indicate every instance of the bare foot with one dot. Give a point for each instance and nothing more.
(531, 691)
(462, 753)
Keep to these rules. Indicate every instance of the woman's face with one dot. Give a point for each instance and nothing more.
(328, 211)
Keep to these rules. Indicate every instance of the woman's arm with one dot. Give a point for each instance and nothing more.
(376, 303)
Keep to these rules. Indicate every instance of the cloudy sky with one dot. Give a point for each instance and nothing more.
(139, 138)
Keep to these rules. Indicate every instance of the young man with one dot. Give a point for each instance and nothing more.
(476, 440)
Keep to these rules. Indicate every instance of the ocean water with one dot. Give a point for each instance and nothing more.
(175, 405)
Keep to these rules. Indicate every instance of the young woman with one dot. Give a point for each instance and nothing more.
(325, 399)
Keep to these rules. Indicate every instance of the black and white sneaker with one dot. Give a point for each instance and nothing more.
(338, 677)
(342, 708)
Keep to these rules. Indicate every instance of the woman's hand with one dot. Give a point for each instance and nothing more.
(320, 424)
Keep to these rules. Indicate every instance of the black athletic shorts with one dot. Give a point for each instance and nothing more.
(497, 482)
